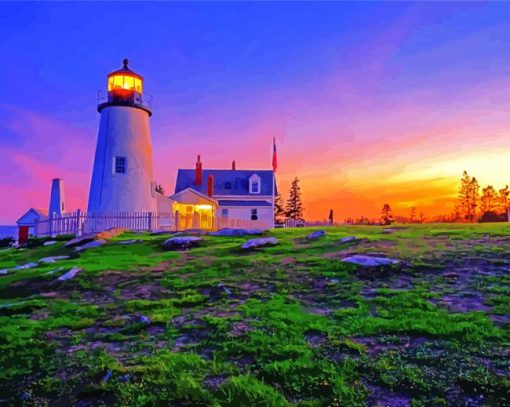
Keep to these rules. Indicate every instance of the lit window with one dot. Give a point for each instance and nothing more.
(138, 85)
(118, 81)
(129, 83)
(224, 212)
(120, 165)
(254, 214)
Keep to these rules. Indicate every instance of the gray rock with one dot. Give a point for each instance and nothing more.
(81, 240)
(52, 259)
(90, 245)
(49, 243)
(70, 274)
(26, 266)
(316, 235)
(108, 375)
(236, 232)
(225, 289)
(4, 272)
(182, 242)
(260, 242)
(348, 239)
(369, 261)
(132, 241)
(144, 320)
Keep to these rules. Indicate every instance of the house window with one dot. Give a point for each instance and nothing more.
(224, 212)
(254, 184)
(120, 165)
(254, 214)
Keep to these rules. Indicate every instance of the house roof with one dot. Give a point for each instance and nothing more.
(29, 216)
(227, 202)
(226, 182)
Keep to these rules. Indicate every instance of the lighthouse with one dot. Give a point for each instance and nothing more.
(122, 176)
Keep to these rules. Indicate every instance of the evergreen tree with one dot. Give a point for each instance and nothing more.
(386, 216)
(463, 205)
(469, 197)
(279, 211)
(489, 200)
(412, 215)
(474, 197)
(294, 208)
(503, 200)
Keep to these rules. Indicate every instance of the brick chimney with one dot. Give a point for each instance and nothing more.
(198, 172)
(210, 185)
(233, 165)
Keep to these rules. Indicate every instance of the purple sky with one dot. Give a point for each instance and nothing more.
(369, 102)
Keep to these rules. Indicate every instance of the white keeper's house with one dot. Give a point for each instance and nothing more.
(217, 198)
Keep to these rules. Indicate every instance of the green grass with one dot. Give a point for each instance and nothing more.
(286, 325)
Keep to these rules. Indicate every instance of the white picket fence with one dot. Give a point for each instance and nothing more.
(79, 222)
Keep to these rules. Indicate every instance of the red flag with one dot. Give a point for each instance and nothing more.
(275, 159)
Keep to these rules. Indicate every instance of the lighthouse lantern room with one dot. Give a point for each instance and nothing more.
(122, 177)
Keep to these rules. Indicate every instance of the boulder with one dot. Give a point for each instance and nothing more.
(52, 259)
(316, 235)
(236, 232)
(70, 274)
(90, 245)
(182, 242)
(369, 261)
(261, 242)
(348, 239)
(49, 243)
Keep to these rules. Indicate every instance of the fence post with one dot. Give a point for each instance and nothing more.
(149, 219)
(50, 221)
(78, 223)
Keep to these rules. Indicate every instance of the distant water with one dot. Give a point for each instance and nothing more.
(8, 231)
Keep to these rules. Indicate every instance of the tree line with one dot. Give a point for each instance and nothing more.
(488, 206)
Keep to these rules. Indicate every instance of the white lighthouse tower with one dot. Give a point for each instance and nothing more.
(122, 178)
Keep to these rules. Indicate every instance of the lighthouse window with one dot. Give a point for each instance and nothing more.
(254, 214)
(118, 81)
(138, 85)
(120, 165)
(129, 82)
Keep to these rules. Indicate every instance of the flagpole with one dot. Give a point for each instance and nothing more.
(273, 180)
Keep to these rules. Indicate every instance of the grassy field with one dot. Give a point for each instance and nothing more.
(287, 325)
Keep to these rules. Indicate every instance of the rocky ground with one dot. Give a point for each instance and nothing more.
(408, 315)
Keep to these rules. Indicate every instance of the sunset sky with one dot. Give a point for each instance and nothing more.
(369, 102)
